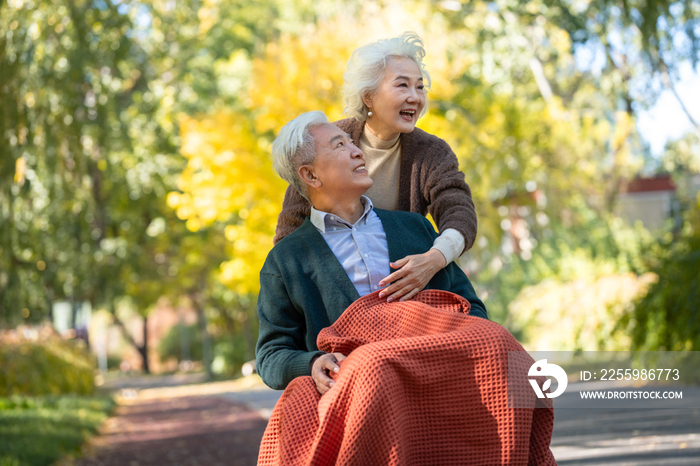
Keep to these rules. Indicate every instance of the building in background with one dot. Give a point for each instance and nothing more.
(653, 201)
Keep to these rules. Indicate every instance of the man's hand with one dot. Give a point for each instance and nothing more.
(414, 273)
(321, 367)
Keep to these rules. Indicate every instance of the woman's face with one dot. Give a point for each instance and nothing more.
(398, 101)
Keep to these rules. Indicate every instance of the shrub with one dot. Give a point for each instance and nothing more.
(171, 345)
(229, 351)
(592, 248)
(37, 431)
(668, 316)
(579, 315)
(42, 363)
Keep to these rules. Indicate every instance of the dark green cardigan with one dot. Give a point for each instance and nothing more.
(304, 289)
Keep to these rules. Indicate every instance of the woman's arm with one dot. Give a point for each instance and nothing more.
(449, 201)
(295, 209)
(448, 196)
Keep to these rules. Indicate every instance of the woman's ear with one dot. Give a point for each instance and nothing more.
(308, 176)
(367, 99)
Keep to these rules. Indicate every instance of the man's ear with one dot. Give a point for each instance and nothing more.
(308, 176)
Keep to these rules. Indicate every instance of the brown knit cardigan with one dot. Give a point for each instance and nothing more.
(429, 181)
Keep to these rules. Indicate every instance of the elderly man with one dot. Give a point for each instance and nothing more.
(338, 255)
(424, 381)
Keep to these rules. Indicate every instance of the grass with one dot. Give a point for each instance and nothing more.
(37, 431)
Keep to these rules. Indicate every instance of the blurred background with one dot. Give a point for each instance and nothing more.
(138, 199)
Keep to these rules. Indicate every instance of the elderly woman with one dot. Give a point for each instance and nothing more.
(384, 95)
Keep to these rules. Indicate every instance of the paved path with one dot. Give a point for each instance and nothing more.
(159, 422)
(625, 437)
(630, 437)
(629, 432)
(222, 423)
(198, 430)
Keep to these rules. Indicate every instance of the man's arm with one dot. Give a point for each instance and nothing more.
(281, 350)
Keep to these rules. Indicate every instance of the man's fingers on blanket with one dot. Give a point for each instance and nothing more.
(322, 381)
(322, 367)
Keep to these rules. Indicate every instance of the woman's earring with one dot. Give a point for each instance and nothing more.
(369, 114)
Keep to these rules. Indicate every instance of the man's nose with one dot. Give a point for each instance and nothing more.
(357, 153)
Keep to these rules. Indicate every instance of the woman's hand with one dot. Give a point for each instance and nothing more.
(321, 367)
(414, 273)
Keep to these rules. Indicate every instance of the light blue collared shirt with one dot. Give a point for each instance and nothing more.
(361, 248)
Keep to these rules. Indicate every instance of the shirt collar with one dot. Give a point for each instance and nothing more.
(322, 220)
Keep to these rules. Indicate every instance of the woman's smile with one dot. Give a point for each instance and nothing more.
(408, 115)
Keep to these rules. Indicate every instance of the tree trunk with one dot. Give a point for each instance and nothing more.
(206, 344)
(206, 339)
(143, 350)
(623, 128)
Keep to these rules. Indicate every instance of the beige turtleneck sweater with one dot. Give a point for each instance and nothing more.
(383, 162)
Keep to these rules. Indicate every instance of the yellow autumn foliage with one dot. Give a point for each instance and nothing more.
(229, 175)
(229, 178)
(296, 75)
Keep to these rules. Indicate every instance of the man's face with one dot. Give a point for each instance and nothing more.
(339, 164)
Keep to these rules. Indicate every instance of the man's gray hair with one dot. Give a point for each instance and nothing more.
(367, 66)
(295, 146)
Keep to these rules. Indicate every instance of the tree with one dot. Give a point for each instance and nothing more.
(89, 151)
(63, 82)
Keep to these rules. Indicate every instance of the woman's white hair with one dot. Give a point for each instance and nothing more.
(367, 66)
(295, 146)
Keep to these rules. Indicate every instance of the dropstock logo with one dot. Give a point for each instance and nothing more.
(541, 368)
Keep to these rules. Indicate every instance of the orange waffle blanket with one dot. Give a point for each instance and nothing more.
(424, 384)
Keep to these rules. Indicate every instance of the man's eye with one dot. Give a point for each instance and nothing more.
(403, 85)
(421, 87)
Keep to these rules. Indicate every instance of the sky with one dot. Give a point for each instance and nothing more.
(665, 119)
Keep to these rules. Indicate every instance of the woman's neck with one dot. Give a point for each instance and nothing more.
(381, 133)
(375, 142)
